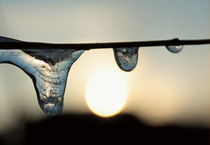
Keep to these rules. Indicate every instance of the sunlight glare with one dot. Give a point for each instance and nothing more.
(106, 93)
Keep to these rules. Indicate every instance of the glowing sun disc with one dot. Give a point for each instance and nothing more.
(106, 93)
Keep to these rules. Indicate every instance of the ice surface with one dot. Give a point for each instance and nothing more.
(48, 69)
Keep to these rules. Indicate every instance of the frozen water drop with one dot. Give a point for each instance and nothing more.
(126, 57)
(48, 69)
(175, 49)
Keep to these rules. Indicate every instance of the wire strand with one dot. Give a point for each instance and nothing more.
(86, 46)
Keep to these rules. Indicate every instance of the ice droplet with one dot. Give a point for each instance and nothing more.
(175, 49)
(48, 69)
(126, 57)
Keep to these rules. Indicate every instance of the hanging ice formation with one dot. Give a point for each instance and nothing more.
(48, 69)
(126, 57)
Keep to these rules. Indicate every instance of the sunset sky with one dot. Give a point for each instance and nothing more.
(163, 88)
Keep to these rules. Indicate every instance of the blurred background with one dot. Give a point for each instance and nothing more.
(166, 95)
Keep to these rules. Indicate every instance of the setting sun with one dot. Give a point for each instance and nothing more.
(106, 93)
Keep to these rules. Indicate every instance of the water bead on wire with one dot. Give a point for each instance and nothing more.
(126, 57)
(175, 49)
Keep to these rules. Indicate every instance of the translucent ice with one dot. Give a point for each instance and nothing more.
(126, 57)
(175, 49)
(48, 69)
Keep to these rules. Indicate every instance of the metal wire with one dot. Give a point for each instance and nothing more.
(86, 46)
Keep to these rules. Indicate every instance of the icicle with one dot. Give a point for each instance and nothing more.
(48, 69)
(126, 57)
(175, 49)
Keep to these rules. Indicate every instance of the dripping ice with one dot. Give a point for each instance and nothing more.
(126, 57)
(48, 69)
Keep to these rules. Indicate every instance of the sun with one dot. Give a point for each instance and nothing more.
(106, 93)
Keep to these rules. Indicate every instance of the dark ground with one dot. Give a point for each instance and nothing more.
(89, 129)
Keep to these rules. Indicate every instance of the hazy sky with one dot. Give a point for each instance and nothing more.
(164, 87)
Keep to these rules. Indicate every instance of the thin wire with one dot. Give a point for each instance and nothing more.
(86, 46)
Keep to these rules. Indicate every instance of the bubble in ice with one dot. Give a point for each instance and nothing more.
(175, 49)
(126, 57)
(48, 69)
